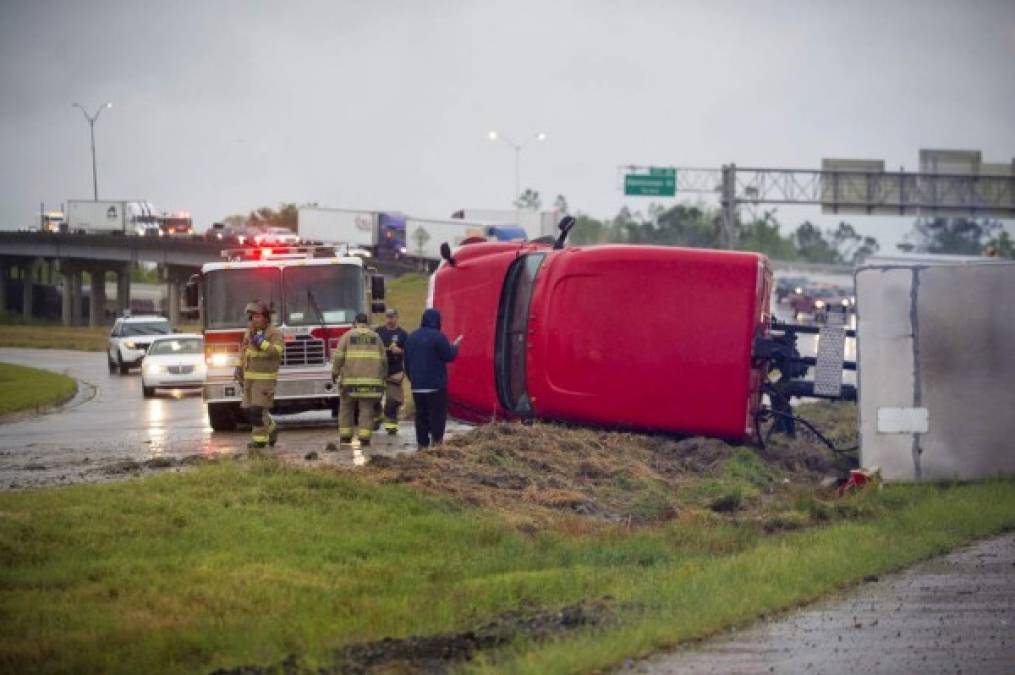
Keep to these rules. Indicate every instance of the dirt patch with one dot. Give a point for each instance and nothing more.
(440, 653)
(537, 472)
(130, 466)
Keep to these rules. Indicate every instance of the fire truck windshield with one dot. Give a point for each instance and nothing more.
(322, 294)
(227, 293)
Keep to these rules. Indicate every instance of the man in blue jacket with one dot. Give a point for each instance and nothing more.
(427, 353)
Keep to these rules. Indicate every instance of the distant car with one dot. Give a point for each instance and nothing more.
(817, 299)
(226, 234)
(652, 338)
(787, 286)
(130, 338)
(173, 362)
(279, 235)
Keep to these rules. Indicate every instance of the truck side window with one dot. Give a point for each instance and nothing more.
(512, 333)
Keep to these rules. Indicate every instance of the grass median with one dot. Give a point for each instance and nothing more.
(261, 564)
(24, 388)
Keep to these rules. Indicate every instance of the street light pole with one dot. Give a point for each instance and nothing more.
(517, 147)
(91, 127)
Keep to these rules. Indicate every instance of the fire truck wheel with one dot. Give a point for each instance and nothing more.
(222, 416)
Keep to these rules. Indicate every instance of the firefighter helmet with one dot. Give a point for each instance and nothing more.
(257, 307)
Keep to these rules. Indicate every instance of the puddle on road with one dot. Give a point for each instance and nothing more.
(159, 446)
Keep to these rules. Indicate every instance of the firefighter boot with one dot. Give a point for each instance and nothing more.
(391, 417)
(364, 436)
(272, 430)
(258, 431)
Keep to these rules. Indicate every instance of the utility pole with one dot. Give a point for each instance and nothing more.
(91, 127)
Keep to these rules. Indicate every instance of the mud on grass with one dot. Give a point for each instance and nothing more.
(543, 474)
(443, 652)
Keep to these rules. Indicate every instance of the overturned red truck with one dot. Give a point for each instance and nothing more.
(637, 337)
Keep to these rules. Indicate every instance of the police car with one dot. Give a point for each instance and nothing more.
(130, 338)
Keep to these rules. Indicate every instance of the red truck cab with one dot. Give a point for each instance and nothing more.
(638, 337)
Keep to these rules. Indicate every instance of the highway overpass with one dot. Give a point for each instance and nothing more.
(61, 259)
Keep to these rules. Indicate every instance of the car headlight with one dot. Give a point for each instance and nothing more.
(403, 250)
(153, 369)
(798, 290)
(130, 344)
(820, 304)
(219, 359)
(845, 302)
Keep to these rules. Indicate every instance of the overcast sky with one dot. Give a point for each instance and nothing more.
(221, 107)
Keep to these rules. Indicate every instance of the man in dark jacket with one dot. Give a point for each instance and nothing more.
(427, 351)
(393, 336)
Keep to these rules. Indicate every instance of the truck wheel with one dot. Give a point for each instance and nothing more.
(223, 416)
(147, 392)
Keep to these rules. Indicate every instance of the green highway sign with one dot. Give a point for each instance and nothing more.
(658, 182)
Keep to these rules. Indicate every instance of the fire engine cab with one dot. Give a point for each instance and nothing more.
(314, 296)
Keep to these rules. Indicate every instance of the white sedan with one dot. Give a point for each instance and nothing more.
(173, 361)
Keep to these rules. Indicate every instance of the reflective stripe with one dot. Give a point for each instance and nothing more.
(352, 381)
(259, 438)
(259, 376)
(364, 434)
(255, 353)
(364, 355)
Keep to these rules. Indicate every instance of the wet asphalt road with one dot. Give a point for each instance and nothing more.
(954, 614)
(109, 428)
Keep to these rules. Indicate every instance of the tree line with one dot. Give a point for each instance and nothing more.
(697, 226)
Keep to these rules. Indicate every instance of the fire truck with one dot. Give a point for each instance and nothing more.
(176, 224)
(314, 296)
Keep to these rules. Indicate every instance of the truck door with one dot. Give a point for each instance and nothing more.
(512, 334)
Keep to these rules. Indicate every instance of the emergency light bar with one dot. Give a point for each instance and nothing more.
(277, 253)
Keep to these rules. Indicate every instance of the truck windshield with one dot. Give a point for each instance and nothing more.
(316, 294)
(227, 293)
(178, 346)
(146, 328)
(512, 330)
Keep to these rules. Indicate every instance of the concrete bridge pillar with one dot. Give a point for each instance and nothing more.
(28, 286)
(3, 286)
(97, 302)
(71, 295)
(76, 296)
(176, 279)
(122, 289)
(173, 299)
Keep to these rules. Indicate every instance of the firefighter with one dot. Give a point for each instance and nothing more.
(359, 366)
(393, 337)
(260, 355)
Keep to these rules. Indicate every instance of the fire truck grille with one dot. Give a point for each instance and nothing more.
(308, 352)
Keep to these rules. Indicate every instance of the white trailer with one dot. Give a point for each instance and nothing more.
(424, 236)
(337, 226)
(108, 216)
(535, 223)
